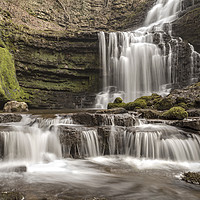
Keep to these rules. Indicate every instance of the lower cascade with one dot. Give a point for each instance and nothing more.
(43, 140)
(71, 154)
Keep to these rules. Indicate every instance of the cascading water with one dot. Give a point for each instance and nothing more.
(42, 140)
(40, 151)
(140, 62)
(157, 142)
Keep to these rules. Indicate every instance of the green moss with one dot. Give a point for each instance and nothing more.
(137, 104)
(9, 86)
(118, 100)
(2, 44)
(116, 105)
(175, 113)
(164, 104)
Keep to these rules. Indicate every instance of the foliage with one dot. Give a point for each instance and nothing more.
(116, 105)
(118, 100)
(175, 113)
(137, 104)
(164, 104)
(9, 86)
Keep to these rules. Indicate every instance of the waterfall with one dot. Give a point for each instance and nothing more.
(38, 140)
(143, 61)
(158, 142)
(90, 144)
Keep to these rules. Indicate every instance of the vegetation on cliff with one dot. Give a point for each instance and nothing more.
(9, 86)
(175, 104)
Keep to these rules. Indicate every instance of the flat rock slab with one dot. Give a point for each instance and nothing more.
(191, 123)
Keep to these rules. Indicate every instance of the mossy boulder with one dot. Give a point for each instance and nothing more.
(175, 113)
(118, 100)
(164, 104)
(183, 105)
(137, 104)
(116, 105)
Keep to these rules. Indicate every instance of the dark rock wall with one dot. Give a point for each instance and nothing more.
(188, 24)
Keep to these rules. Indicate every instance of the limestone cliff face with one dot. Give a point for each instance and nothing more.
(188, 24)
(55, 45)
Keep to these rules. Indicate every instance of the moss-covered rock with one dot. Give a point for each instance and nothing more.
(118, 100)
(164, 104)
(137, 104)
(175, 113)
(183, 105)
(116, 105)
(9, 86)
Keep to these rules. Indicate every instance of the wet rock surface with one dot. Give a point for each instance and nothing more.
(191, 177)
(97, 119)
(187, 26)
(189, 123)
(5, 118)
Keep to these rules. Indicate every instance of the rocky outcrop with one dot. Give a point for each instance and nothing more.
(192, 123)
(187, 25)
(89, 119)
(9, 87)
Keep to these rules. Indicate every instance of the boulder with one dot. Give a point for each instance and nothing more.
(15, 106)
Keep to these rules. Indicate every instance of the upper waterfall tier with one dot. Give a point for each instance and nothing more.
(146, 60)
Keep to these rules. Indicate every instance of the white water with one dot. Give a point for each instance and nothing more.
(38, 141)
(135, 63)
